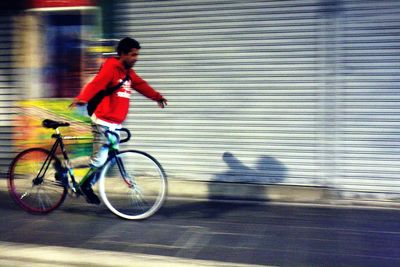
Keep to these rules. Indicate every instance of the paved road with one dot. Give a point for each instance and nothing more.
(213, 232)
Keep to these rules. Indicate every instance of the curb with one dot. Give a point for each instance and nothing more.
(244, 191)
(275, 193)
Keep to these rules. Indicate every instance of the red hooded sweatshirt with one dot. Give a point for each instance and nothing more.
(114, 108)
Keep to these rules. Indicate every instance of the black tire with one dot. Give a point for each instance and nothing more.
(138, 194)
(33, 195)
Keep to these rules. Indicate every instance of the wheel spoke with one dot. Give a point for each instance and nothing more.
(140, 202)
(38, 198)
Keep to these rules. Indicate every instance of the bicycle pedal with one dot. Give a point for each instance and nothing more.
(74, 193)
(75, 190)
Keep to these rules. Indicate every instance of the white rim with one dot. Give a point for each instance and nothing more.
(151, 211)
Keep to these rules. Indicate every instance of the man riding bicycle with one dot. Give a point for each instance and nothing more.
(112, 109)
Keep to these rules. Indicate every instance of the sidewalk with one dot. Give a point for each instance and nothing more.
(16, 255)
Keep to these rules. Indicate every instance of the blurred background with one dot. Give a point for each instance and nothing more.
(294, 93)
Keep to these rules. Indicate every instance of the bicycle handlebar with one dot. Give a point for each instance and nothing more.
(128, 133)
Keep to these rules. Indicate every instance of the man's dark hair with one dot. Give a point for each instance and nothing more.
(126, 44)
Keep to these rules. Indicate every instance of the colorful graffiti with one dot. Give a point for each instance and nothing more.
(28, 131)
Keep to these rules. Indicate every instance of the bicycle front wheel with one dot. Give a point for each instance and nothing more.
(32, 183)
(133, 185)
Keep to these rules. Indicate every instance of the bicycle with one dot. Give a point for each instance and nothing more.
(132, 183)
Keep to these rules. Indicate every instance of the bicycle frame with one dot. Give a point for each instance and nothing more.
(59, 143)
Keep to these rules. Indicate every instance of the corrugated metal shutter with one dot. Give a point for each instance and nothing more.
(295, 92)
(9, 88)
(369, 96)
(242, 78)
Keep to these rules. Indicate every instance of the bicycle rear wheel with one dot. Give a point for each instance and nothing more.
(34, 193)
(133, 185)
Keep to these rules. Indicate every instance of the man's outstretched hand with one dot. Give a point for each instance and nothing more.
(162, 103)
(76, 103)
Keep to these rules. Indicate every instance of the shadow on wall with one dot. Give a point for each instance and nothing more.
(226, 185)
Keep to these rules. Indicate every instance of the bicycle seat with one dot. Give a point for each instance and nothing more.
(54, 124)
